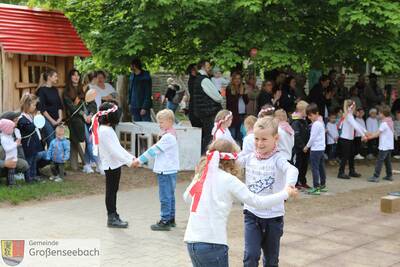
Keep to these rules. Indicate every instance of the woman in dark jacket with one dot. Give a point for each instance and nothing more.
(236, 101)
(74, 106)
(50, 104)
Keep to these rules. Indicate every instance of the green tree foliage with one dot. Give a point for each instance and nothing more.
(288, 33)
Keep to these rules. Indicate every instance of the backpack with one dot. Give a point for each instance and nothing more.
(178, 96)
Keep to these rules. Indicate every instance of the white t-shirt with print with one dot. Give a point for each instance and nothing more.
(103, 92)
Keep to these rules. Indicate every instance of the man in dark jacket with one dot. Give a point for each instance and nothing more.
(206, 102)
(192, 72)
(140, 91)
(301, 136)
(373, 94)
(317, 95)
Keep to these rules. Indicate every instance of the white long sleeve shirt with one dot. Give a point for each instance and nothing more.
(372, 125)
(348, 126)
(112, 154)
(248, 144)
(210, 89)
(208, 223)
(317, 137)
(268, 176)
(285, 143)
(332, 133)
(9, 146)
(362, 124)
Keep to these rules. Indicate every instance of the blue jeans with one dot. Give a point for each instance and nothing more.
(331, 149)
(318, 168)
(172, 106)
(32, 161)
(138, 117)
(383, 157)
(166, 190)
(89, 157)
(262, 234)
(49, 133)
(207, 254)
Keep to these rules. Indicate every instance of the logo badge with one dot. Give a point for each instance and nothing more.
(12, 251)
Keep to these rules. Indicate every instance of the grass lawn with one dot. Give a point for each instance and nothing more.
(39, 191)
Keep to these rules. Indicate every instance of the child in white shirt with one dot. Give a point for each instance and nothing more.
(211, 194)
(316, 144)
(223, 121)
(112, 156)
(248, 140)
(332, 137)
(357, 138)
(10, 147)
(286, 134)
(267, 172)
(372, 127)
(386, 139)
(166, 165)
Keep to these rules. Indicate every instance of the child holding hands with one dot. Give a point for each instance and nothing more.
(166, 165)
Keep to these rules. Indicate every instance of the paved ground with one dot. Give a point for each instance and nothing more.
(359, 236)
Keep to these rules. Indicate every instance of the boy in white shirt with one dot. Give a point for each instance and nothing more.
(211, 194)
(358, 144)
(386, 140)
(332, 137)
(166, 165)
(316, 144)
(267, 172)
(372, 127)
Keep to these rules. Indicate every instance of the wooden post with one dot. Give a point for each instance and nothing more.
(122, 90)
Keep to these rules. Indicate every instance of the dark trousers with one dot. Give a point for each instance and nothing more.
(11, 176)
(235, 131)
(373, 147)
(262, 234)
(58, 169)
(347, 155)
(112, 184)
(301, 163)
(207, 254)
(331, 151)
(318, 168)
(397, 146)
(207, 124)
(383, 157)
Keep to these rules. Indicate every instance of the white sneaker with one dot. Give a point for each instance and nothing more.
(52, 178)
(370, 156)
(358, 156)
(58, 179)
(98, 170)
(19, 176)
(396, 157)
(87, 169)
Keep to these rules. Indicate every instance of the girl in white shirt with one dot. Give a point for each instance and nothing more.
(316, 144)
(223, 121)
(105, 91)
(248, 140)
(211, 194)
(347, 126)
(386, 144)
(357, 138)
(112, 156)
(286, 134)
(10, 147)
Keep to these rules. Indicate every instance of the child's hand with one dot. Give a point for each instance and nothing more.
(18, 142)
(135, 163)
(365, 137)
(305, 149)
(292, 191)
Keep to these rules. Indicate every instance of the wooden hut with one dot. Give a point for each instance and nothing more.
(31, 41)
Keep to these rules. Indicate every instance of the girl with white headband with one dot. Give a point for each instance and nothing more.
(223, 121)
(112, 156)
(211, 194)
(347, 127)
